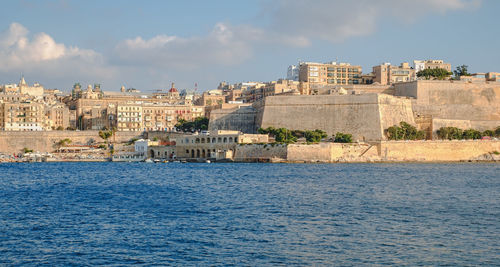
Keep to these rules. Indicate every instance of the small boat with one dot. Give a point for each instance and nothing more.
(165, 161)
(207, 161)
(156, 161)
(148, 161)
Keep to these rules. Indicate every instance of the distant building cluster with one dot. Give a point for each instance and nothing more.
(35, 108)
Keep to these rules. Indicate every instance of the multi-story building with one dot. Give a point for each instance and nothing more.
(388, 74)
(129, 117)
(493, 76)
(211, 98)
(269, 89)
(164, 117)
(332, 73)
(292, 73)
(419, 65)
(22, 116)
(57, 116)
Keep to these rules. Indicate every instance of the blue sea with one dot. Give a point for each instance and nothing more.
(173, 214)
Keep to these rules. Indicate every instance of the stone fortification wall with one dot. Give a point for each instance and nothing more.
(14, 142)
(364, 116)
(436, 150)
(454, 100)
(238, 119)
(257, 152)
(396, 151)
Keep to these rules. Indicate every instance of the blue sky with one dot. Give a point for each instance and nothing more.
(149, 44)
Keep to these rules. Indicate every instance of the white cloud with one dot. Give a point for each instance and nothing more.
(224, 45)
(41, 55)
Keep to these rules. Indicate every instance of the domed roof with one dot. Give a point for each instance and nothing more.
(172, 89)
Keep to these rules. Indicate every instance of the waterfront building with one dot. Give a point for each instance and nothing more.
(215, 145)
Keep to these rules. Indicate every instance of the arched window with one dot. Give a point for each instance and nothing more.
(225, 139)
(219, 140)
(230, 139)
(197, 140)
(213, 140)
(202, 140)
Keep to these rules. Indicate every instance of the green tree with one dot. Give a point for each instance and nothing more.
(343, 138)
(472, 134)
(314, 136)
(281, 135)
(490, 133)
(439, 74)
(404, 131)
(450, 133)
(461, 71)
(497, 131)
(105, 135)
(199, 124)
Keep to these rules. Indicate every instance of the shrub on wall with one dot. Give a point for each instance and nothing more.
(314, 136)
(404, 131)
(343, 138)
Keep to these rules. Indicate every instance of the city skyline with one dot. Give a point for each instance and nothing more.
(149, 46)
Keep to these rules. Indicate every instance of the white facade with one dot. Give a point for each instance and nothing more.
(292, 73)
(418, 65)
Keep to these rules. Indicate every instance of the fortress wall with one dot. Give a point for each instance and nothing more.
(418, 151)
(253, 152)
(239, 119)
(355, 114)
(394, 110)
(436, 150)
(458, 100)
(322, 152)
(14, 142)
(364, 116)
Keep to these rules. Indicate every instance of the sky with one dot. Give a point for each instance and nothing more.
(149, 44)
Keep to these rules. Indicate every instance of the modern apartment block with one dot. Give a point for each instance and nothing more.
(386, 73)
(330, 73)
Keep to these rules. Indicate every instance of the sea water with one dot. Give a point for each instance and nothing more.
(88, 214)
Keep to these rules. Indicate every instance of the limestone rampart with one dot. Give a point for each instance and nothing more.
(385, 151)
(364, 116)
(432, 151)
(238, 119)
(454, 100)
(14, 142)
(256, 152)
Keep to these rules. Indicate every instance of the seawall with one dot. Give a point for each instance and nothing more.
(385, 151)
(14, 142)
